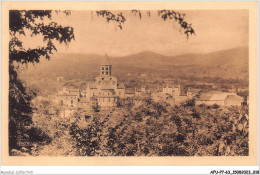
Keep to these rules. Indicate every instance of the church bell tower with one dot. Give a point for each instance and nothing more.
(105, 67)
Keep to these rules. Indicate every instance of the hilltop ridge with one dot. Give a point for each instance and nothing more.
(231, 63)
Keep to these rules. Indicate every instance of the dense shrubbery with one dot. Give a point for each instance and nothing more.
(154, 129)
(150, 129)
(20, 124)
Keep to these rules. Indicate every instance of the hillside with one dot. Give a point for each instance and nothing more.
(238, 58)
(231, 63)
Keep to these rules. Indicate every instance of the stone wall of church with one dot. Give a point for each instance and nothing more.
(120, 93)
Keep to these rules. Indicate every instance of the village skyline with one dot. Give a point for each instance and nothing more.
(141, 102)
(105, 92)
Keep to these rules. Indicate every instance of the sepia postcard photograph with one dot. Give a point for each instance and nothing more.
(129, 83)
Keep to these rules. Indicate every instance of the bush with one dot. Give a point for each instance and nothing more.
(215, 106)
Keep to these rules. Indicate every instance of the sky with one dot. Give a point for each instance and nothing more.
(215, 30)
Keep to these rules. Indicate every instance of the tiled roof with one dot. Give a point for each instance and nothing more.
(218, 96)
(129, 91)
(194, 90)
(235, 97)
(69, 94)
(170, 86)
(108, 87)
(83, 100)
(71, 88)
(92, 86)
(205, 97)
(106, 96)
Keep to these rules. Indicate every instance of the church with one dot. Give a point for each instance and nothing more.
(105, 90)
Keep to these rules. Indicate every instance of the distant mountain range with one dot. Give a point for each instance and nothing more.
(232, 63)
(234, 57)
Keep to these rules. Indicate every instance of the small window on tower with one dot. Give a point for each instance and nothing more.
(107, 73)
(106, 68)
(102, 68)
(102, 73)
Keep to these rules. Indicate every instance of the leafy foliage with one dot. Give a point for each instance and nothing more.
(164, 14)
(20, 107)
(179, 18)
(144, 128)
(118, 18)
(21, 20)
(156, 129)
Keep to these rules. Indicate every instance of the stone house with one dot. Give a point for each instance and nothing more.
(221, 99)
(174, 90)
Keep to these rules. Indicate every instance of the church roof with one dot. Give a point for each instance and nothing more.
(105, 60)
(84, 100)
(129, 91)
(92, 86)
(120, 86)
(71, 88)
(205, 97)
(170, 86)
(69, 94)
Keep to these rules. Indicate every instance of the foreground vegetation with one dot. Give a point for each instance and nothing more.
(143, 128)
